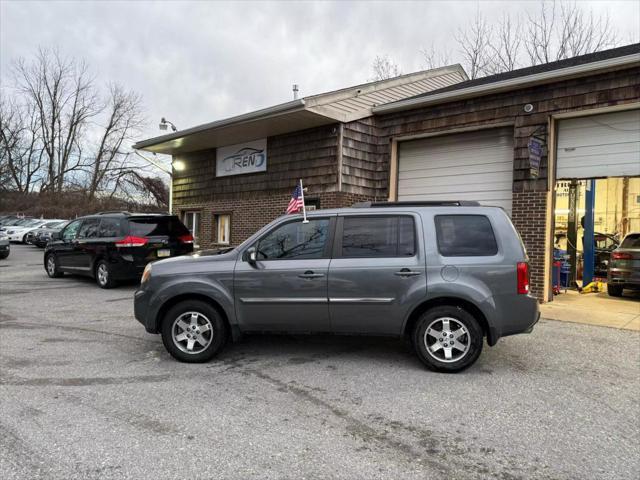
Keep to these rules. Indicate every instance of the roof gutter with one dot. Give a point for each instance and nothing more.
(506, 85)
(293, 105)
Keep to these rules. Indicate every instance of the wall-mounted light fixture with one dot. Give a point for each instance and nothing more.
(164, 123)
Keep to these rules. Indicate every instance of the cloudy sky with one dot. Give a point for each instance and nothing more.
(198, 61)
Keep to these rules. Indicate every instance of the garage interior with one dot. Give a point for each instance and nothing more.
(597, 203)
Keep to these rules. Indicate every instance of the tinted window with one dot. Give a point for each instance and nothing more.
(89, 228)
(378, 237)
(157, 226)
(465, 236)
(631, 241)
(70, 232)
(110, 227)
(295, 240)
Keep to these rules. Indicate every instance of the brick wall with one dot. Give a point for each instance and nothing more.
(529, 211)
(250, 213)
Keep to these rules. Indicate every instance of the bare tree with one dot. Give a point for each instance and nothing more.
(383, 68)
(552, 32)
(123, 119)
(557, 33)
(20, 148)
(63, 97)
(474, 43)
(435, 58)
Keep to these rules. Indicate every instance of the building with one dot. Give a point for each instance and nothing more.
(511, 140)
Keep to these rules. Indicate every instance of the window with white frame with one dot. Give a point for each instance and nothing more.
(223, 228)
(192, 222)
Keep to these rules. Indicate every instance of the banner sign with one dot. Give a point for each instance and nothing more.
(248, 157)
(535, 154)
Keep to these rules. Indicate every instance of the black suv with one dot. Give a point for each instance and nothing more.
(114, 246)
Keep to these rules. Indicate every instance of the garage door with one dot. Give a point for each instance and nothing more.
(466, 166)
(606, 145)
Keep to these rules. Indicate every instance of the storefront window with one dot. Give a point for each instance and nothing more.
(223, 229)
(192, 222)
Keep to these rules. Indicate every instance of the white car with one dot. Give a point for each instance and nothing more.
(18, 233)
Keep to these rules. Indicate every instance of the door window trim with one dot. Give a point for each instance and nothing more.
(326, 254)
(337, 244)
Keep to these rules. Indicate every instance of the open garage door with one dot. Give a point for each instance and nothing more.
(597, 146)
(474, 165)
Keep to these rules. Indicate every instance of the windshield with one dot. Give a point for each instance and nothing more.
(52, 224)
(631, 241)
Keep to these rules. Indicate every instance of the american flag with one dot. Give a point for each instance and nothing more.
(295, 204)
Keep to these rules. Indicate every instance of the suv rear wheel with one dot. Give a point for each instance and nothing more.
(52, 267)
(447, 339)
(193, 331)
(103, 275)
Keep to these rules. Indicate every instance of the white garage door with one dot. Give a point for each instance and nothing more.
(606, 145)
(465, 166)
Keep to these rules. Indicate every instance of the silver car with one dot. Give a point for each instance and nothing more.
(624, 266)
(444, 274)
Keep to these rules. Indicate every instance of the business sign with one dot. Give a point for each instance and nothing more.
(535, 154)
(248, 157)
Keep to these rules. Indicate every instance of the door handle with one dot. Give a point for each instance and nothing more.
(310, 274)
(405, 272)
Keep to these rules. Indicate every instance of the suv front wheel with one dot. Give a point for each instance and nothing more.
(447, 339)
(52, 267)
(193, 331)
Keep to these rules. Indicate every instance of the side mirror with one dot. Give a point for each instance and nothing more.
(56, 236)
(251, 255)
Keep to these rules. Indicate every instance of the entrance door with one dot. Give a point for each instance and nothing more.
(375, 273)
(286, 289)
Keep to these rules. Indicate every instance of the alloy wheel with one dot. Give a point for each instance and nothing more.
(103, 274)
(447, 339)
(192, 332)
(51, 265)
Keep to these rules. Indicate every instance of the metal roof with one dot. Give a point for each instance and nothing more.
(343, 105)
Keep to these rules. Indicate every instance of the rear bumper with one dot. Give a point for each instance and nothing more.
(627, 278)
(515, 314)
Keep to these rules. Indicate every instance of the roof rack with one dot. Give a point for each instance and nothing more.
(432, 203)
(113, 211)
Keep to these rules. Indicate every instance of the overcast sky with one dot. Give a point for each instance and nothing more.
(199, 61)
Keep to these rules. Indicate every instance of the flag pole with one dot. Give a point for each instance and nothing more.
(304, 208)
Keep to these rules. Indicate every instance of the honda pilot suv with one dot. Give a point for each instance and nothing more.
(115, 246)
(444, 274)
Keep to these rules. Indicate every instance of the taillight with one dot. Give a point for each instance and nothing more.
(523, 278)
(131, 241)
(621, 256)
(186, 238)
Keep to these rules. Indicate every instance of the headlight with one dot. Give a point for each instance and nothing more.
(146, 275)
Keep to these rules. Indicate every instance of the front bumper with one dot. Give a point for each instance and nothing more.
(142, 311)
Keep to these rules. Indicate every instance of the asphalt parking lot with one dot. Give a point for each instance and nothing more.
(86, 393)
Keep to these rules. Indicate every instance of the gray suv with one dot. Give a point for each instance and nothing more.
(444, 274)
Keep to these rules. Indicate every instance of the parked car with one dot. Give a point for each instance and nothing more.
(114, 246)
(14, 222)
(5, 247)
(30, 236)
(43, 235)
(624, 267)
(18, 233)
(444, 274)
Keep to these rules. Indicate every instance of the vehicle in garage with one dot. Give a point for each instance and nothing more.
(115, 246)
(445, 274)
(624, 267)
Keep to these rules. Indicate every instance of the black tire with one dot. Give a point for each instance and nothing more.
(4, 255)
(52, 266)
(103, 275)
(470, 336)
(614, 290)
(213, 342)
